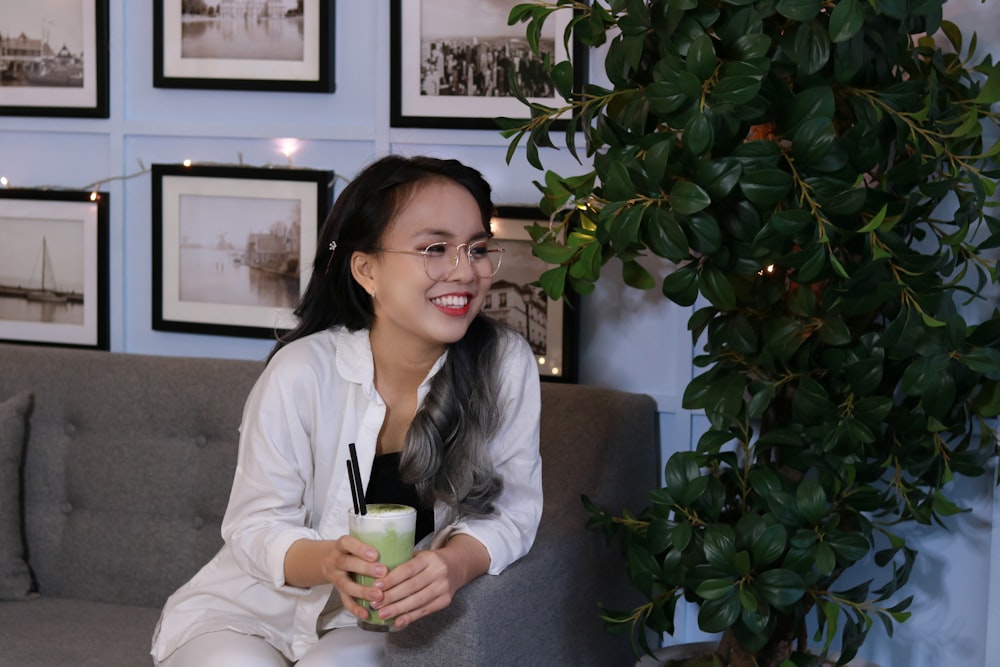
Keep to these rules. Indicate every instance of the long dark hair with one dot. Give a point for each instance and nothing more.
(445, 455)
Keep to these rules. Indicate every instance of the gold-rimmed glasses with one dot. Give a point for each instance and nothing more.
(442, 258)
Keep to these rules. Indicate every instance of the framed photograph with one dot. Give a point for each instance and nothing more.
(54, 58)
(280, 45)
(54, 268)
(233, 246)
(450, 63)
(549, 326)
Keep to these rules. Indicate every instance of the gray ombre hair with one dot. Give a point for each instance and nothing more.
(446, 454)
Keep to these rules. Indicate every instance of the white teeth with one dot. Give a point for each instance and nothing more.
(451, 301)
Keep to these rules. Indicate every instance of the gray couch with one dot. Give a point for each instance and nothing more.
(125, 462)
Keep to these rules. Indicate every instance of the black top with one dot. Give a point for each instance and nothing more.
(386, 487)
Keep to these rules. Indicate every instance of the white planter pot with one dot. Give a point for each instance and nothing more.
(694, 649)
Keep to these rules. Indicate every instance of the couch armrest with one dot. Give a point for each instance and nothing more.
(541, 611)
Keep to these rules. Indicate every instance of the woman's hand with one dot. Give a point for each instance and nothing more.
(428, 582)
(314, 562)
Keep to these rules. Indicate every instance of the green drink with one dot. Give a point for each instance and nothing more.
(389, 530)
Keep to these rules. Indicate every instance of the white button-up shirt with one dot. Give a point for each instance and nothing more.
(315, 397)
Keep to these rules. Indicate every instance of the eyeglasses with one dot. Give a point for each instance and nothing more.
(442, 258)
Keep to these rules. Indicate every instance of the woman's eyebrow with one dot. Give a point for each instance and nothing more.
(446, 234)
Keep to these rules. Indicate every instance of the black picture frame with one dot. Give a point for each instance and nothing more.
(305, 68)
(554, 338)
(62, 237)
(54, 63)
(414, 105)
(233, 246)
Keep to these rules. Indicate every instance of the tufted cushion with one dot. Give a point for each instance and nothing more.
(127, 468)
(15, 578)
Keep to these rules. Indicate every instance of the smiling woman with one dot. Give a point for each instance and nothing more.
(392, 358)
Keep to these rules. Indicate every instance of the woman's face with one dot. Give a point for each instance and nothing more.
(410, 306)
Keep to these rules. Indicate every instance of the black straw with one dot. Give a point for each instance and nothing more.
(354, 486)
(362, 507)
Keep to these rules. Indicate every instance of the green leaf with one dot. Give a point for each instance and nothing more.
(701, 60)
(681, 286)
(765, 187)
(717, 615)
(780, 587)
(811, 500)
(635, 275)
(846, 20)
(687, 198)
(713, 589)
(826, 560)
(799, 10)
(698, 134)
(717, 289)
(812, 47)
(769, 545)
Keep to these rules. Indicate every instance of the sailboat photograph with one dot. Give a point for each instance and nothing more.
(41, 272)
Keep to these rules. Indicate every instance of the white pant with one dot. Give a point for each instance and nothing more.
(343, 647)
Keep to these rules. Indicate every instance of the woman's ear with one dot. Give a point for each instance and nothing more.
(363, 270)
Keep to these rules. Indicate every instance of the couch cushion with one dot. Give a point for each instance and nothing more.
(50, 631)
(15, 578)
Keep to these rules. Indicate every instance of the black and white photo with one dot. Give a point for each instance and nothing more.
(53, 268)
(284, 45)
(233, 246)
(452, 63)
(549, 326)
(54, 58)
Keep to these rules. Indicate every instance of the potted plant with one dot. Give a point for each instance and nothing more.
(819, 175)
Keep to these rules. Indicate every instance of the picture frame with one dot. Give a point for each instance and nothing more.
(233, 246)
(54, 268)
(550, 327)
(242, 47)
(429, 41)
(54, 58)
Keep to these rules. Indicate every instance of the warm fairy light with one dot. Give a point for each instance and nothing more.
(94, 196)
(541, 361)
(768, 269)
(555, 370)
(288, 148)
(186, 163)
(3, 181)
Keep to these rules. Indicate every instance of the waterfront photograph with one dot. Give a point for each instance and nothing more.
(241, 251)
(42, 43)
(42, 271)
(243, 30)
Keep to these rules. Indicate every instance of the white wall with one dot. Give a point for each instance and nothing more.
(628, 340)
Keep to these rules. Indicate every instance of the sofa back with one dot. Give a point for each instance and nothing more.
(130, 458)
(127, 467)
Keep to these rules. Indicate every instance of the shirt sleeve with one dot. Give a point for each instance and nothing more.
(509, 532)
(269, 502)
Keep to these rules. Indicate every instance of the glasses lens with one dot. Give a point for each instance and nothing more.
(441, 259)
(485, 257)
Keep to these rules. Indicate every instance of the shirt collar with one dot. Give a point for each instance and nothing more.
(356, 364)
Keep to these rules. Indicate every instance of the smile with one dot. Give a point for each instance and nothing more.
(451, 301)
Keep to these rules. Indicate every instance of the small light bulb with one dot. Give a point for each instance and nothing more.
(541, 361)
(3, 181)
(94, 196)
(187, 163)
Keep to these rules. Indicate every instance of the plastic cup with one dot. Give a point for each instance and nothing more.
(389, 529)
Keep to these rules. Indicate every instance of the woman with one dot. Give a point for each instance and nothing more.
(391, 353)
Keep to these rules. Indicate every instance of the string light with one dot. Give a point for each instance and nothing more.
(288, 148)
